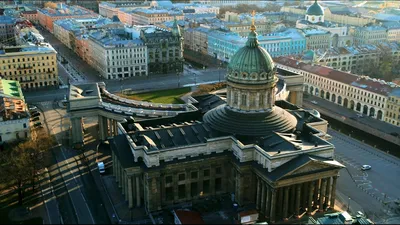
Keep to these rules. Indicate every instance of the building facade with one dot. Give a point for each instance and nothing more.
(196, 39)
(31, 15)
(152, 16)
(14, 116)
(33, 66)
(358, 93)
(115, 56)
(370, 35)
(7, 32)
(393, 107)
(110, 9)
(65, 30)
(317, 39)
(165, 49)
(234, 149)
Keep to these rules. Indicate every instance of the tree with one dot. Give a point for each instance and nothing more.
(21, 162)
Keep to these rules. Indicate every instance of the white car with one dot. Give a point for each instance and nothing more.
(32, 107)
(314, 102)
(101, 167)
(366, 167)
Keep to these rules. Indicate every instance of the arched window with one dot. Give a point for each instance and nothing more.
(235, 98)
(261, 101)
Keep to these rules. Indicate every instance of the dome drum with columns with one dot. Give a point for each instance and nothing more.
(251, 87)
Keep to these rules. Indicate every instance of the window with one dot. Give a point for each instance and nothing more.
(194, 175)
(206, 172)
(181, 191)
(168, 179)
(218, 170)
(181, 176)
(24, 125)
(206, 186)
(218, 184)
(169, 193)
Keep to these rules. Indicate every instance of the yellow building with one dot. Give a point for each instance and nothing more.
(393, 108)
(33, 66)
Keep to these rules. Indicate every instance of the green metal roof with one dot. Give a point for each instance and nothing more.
(315, 9)
(11, 88)
(251, 58)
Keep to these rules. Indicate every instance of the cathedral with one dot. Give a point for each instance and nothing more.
(262, 151)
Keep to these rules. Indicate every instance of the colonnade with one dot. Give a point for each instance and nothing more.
(107, 127)
(282, 202)
(129, 183)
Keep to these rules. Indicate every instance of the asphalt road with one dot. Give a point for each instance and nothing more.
(74, 187)
(370, 189)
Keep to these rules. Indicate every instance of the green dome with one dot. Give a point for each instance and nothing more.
(251, 63)
(315, 9)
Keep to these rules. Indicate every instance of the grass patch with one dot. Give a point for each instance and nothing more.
(170, 96)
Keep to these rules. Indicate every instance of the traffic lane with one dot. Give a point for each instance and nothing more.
(63, 74)
(350, 114)
(42, 96)
(383, 170)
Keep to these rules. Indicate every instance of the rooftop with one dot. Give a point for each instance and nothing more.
(371, 28)
(157, 11)
(66, 10)
(7, 20)
(12, 102)
(373, 85)
(42, 48)
(115, 37)
(313, 31)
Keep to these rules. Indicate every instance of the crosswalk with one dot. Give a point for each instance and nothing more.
(46, 103)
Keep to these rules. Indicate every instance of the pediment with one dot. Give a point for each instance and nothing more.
(310, 167)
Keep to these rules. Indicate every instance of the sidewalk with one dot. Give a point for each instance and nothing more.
(342, 202)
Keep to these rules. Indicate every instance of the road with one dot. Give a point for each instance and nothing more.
(75, 190)
(368, 190)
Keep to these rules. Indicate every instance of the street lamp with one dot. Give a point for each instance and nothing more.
(219, 71)
(195, 81)
(179, 78)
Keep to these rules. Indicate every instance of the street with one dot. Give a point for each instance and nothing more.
(370, 189)
(75, 191)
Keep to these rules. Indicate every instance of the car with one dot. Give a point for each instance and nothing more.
(359, 115)
(35, 114)
(101, 167)
(37, 124)
(314, 102)
(35, 119)
(366, 167)
(32, 107)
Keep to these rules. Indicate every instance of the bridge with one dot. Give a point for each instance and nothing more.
(93, 99)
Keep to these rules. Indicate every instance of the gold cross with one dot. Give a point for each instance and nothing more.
(253, 26)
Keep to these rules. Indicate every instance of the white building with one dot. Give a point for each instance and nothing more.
(14, 117)
(116, 55)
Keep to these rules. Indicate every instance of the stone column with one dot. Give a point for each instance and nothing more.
(310, 197)
(322, 195)
(298, 198)
(316, 192)
(109, 128)
(262, 208)
(258, 197)
(130, 192)
(115, 128)
(268, 201)
(77, 131)
(273, 206)
(292, 199)
(137, 191)
(327, 193)
(280, 202)
(333, 192)
(304, 195)
(101, 128)
(285, 203)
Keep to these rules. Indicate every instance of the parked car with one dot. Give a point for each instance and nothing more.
(314, 102)
(35, 114)
(37, 124)
(366, 167)
(359, 115)
(35, 119)
(101, 167)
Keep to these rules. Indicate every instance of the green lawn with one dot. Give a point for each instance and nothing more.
(171, 96)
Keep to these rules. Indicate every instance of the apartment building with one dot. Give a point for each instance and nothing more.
(141, 16)
(196, 39)
(359, 93)
(117, 55)
(393, 30)
(393, 108)
(110, 9)
(34, 66)
(14, 116)
(65, 30)
(47, 16)
(317, 39)
(357, 59)
(369, 35)
(7, 24)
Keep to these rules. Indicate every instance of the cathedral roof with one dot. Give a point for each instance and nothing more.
(315, 9)
(251, 63)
